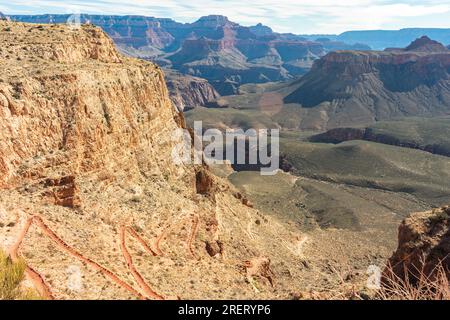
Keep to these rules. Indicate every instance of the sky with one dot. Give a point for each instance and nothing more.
(296, 16)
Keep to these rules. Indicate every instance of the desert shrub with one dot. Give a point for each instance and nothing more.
(11, 275)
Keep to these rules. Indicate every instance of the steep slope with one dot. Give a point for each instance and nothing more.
(360, 87)
(90, 196)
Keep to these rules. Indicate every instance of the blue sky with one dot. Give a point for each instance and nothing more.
(297, 16)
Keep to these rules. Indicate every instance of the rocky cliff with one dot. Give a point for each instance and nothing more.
(423, 247)
(91, 197)
(77, 110)
(188, 92)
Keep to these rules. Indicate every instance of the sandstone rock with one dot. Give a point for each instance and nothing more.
(214, 248)
(205, 183)
(260, 266)
(65, 191)
(244, 200)
(75, 112)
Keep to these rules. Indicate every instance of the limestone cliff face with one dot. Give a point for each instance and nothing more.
(76, 111)
(90, 195)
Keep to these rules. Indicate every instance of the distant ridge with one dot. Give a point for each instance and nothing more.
(228, 54)
(369, 86)
(382, 39)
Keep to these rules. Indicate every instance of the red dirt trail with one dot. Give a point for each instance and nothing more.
(137, 276)
(194, 230)
(44, 289)
(41, 286)
(166, 231)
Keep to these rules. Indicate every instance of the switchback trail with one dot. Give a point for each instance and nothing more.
(194, 230)
(44, 289)
(129, 260)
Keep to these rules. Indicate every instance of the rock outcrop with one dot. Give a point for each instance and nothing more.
(188, 92)
(423, 247)
(425, 44)
(64, 191)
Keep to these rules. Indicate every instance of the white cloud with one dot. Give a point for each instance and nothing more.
(299, 16)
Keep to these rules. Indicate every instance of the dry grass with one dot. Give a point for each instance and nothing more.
(11, 276)
(418, 285)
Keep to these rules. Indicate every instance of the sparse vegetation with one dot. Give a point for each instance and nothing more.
(424, 285)
(11, 275)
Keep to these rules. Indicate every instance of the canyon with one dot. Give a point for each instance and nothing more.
(89, 190)
(89, 193)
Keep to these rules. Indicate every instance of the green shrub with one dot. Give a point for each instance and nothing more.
(11, 275)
